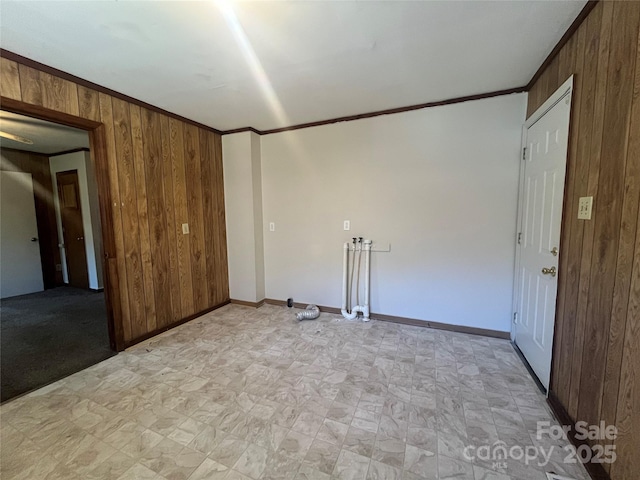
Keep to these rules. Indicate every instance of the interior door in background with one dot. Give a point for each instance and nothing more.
(72, 228)
(539, 239)
(20, 267)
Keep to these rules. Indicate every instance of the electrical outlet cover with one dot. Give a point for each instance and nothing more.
(585, 205)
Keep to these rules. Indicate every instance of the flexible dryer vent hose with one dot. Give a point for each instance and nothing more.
(310, 313)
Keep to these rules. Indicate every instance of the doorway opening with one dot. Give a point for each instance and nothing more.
(53, 313)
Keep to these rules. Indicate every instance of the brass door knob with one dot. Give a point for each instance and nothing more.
(549, 271)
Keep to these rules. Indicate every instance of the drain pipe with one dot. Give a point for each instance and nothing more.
(358, 308)
(367, 266)
(345, 283)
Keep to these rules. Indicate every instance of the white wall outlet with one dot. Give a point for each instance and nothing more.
(185, 228)
(347, 225)
(272, 226)
(585, 204)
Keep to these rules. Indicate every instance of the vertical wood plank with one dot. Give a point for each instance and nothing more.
(626, 250)
(553, 78)
(221, 264)
(182, 216)
(30, 85)
(608, 207)
(151, 133)
(143, 217)
(106, 115)
(194, 204)
(208, 193)
(58, 94)
(10, 84)
(532, 99)
(171, 225)
(627, 444)
(88, 103)
(127, 184)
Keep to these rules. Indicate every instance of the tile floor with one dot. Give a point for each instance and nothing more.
(245, 393)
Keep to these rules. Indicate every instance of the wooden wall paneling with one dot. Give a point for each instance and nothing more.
(30, 85)
(151, 134)
(58, 94)
(157, 181)
(176, 139)
(567, 60)
(127, 183)
(602, 15)
(113, 300)
(553, 81)
(106, 114)
(10, 85)
(625, 262)
(627, 443)
(88, 103)
(208, 186)
(608, 205)
(532, 99)
(143, 222)
(570, 236)
(196, 219)
(173, 229)
(222, 287)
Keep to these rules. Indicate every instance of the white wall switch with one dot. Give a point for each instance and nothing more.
(585, 205)
(347, 225)
(272, 226)
(185, 228)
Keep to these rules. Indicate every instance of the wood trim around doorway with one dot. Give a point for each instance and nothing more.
(97, 142)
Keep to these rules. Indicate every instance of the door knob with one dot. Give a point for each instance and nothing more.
(549, 271)
(554, 251)
(80, 238)
(34, 239)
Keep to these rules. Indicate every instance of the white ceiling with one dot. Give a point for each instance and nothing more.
(270, 64)
(47, 137)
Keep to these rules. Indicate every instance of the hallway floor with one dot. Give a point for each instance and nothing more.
(245, 393)
(48, 335)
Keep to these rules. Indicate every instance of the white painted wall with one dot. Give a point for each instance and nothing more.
(439, 184)
(243, 208)
(81, 161)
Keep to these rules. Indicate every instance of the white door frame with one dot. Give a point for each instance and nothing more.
(565, 89)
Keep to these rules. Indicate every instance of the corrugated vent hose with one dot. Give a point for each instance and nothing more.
(310, 313)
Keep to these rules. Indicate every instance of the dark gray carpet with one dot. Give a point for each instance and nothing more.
(49, 335)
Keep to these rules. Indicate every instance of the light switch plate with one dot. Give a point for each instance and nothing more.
(347, 225)
(185, 228)
(585, 204)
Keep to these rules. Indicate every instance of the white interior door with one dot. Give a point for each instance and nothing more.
(20, 268)
(539, 239)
